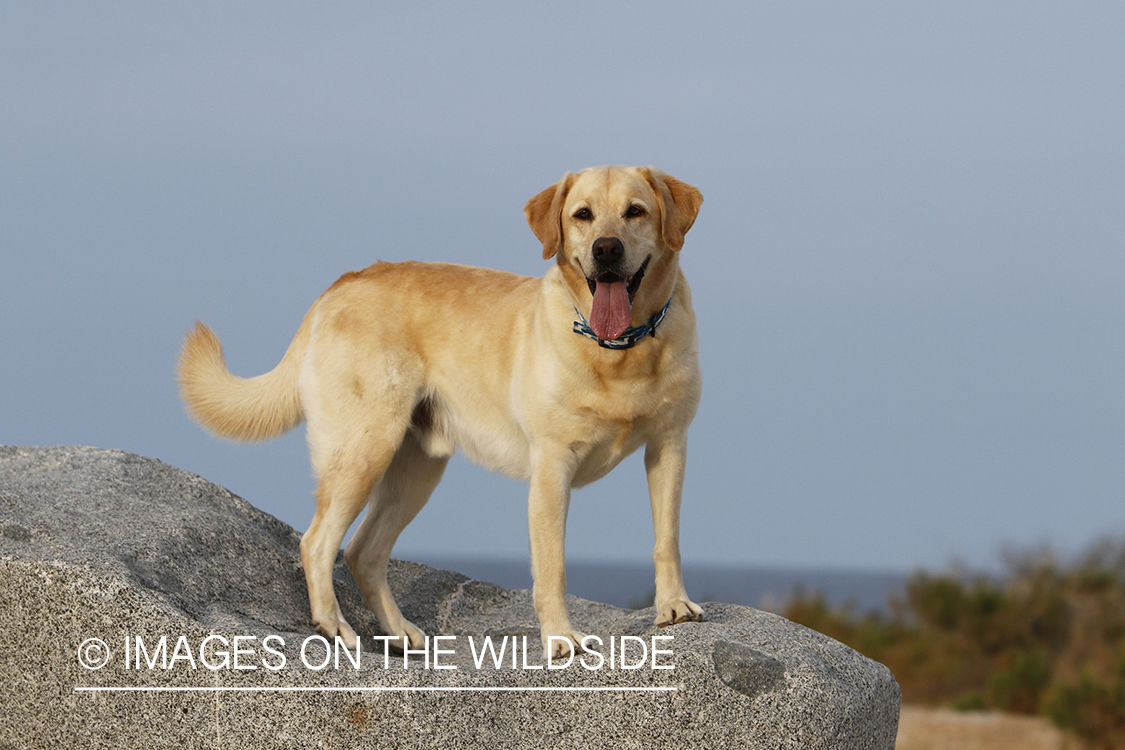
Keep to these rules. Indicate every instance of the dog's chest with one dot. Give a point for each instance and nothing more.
(604, 448)
(605, 426)
(589, 417)
(600, 440)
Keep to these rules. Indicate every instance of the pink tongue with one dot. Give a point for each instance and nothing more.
(611, 312)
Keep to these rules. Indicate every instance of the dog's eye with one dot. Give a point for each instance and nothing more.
(634, 211)
(583, 214)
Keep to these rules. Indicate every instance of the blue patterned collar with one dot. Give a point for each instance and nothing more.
(631, 335)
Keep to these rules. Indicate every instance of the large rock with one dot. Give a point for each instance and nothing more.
(106, 545)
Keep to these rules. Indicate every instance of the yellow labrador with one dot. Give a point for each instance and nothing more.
(554, 380)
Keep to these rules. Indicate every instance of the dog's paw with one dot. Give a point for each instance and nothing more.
(338, 628)
(676, 610)
(407, 634)
(562, 645)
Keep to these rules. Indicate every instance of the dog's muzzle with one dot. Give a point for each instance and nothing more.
(612, 288)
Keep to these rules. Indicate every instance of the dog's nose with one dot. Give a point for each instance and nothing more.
(608, 250)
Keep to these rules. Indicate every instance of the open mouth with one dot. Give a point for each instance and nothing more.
(632, 283)
(613, 302)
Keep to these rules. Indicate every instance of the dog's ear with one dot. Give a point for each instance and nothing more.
(679, 204)
(544, 214)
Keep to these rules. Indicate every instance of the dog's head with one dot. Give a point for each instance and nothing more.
(615, 232)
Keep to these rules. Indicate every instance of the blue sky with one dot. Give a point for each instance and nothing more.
(908, 268)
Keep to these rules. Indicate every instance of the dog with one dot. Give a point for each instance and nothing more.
(553, 380)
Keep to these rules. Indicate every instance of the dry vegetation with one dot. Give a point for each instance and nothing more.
(1045, 639)
(944, 729)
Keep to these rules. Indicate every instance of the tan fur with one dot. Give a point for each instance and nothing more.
(396, 366)
(259, 408)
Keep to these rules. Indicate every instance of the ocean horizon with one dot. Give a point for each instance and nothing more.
(628, 584)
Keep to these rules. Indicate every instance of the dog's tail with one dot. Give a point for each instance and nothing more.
(248, 409)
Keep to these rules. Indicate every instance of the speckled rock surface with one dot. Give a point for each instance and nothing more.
(101, 549)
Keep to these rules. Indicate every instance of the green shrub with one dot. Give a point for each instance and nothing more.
(1092, 708)
(1044, 638)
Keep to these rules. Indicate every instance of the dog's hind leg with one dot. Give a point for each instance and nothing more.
(404, 489)
(340, 496)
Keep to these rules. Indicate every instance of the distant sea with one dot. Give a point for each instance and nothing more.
(632, 584)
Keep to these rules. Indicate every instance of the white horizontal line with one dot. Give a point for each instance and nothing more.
(391, 689)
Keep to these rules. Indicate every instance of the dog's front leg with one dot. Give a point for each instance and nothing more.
(665, 460)
(548, 503)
